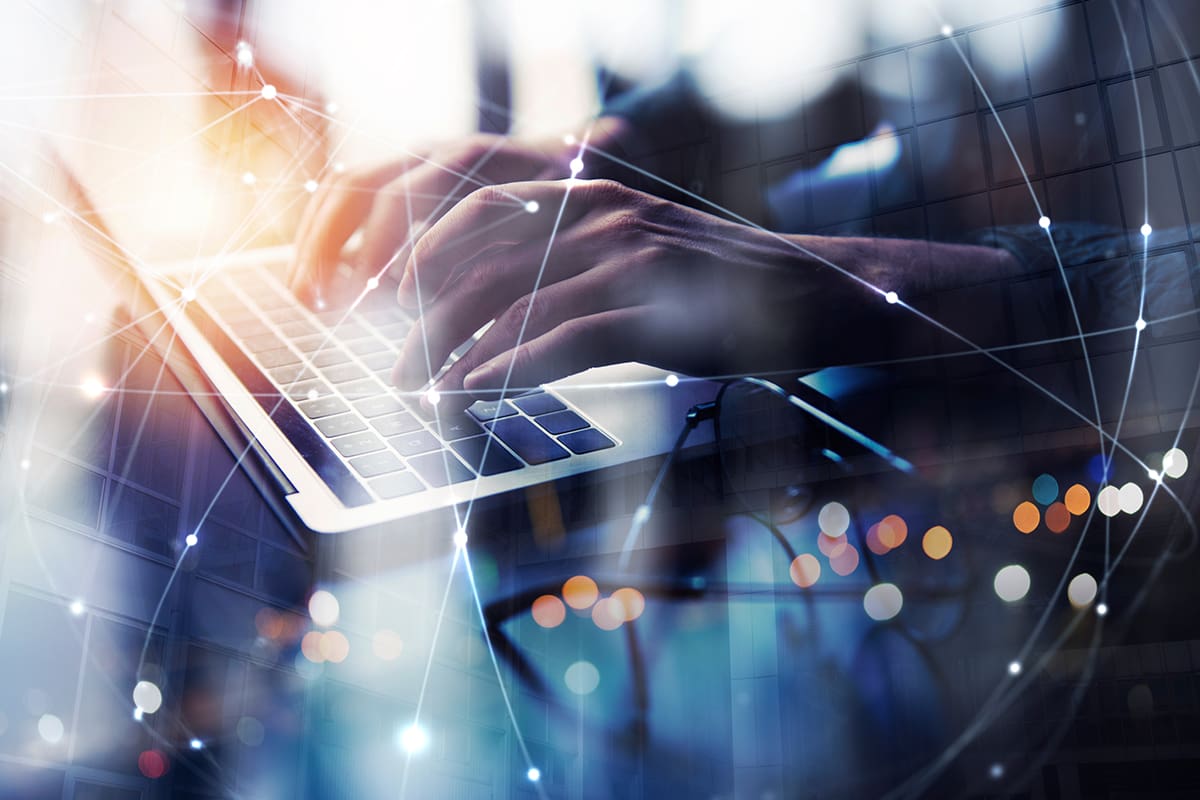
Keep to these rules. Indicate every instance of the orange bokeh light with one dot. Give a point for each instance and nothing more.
(1026, 517)
(630, 602)
(334, 646)
(1057, 517)
(580, 592)
(310, 646)
(805, 570)
(937, 542)
(893, 530)
(874, 541)
(548, 611)
(1078, 499)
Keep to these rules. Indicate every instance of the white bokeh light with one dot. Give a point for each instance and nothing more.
(324, 608)
(883, 601)
(834, 519)
(147, 697)
(1011, 583)
(1081, 591)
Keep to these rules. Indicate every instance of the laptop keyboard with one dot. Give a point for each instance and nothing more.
(335, 368)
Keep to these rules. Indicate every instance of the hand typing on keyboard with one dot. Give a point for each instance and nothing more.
(420, 188)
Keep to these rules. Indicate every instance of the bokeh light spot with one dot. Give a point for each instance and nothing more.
(1045, 489)
(310, 646)
(1078, 499)
(893, 531)
(607, 614)
(874, 543)
(50, 728)
(323, 607)
(1081, 591)
(1109, 501)
(883, 601)
(831, 546)
(582, 677)
(1011, 583)
(147, 697)
(1174, 463)
(1130, 498)
(834, 519)
(1026, 517)
(937, 542)
(845, 561)
(386, 644)
(152, 764)
(1058, 518)
(334, 646)
(548, 611)
(631, 603)
(580, 592)
(805, 570)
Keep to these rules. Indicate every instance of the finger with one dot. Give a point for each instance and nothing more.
(510, 302)
(610, 337)
(340, 212)
(455, 238)
(408, 204)
(526, 319)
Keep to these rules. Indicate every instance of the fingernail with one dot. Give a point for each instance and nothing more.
(481, 377)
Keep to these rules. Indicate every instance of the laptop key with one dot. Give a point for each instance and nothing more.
(365, 347)
(459, 426)
(308, 390)
(381, 361)
(563, 421)
(330, 356)
(527, 441)
(357, 444)
(262, 342)
(292, 373)
(376, 464)
(340, 425)
(298, 327)
(487, 410)
(323, 407)
(586, 441)
(415, 443)
(496, 461)
(378, 406)
(539, 403)
(344, 373)
(440, 468)
(277, 358)
(396, 424)
(396, 485)
(311, 344)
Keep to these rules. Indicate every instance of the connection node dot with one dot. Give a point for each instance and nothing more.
(313, 394)
(947, 30)
(339, 167)
(77, 608)
(1014, 668)
(310, 186)
(532, 206)
(49, 218)
(1147, 230)
(1044, 222)
(332, 108)
(576, 166)
(534, 774)
(320, 304)
(245, 56)
(460, 538)
(1153, 475)
(191, 540)
(433, 397)
(1140, 324)
(413, 739)
(672, 380)
(892, 298)
(1101, 609)
(3, 387)
(269, 92)
(25, 465)
(196, 744)
(996, 771)
(642, 514)
(188, 294)
(569, 139)
(372, 283)
(92, 388)
(249, 178)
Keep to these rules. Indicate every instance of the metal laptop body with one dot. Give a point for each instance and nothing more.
(348, 450)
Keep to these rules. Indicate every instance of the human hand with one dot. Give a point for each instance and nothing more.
(393, 200)
(624, 276)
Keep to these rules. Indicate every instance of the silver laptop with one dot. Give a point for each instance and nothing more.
(311, 391)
